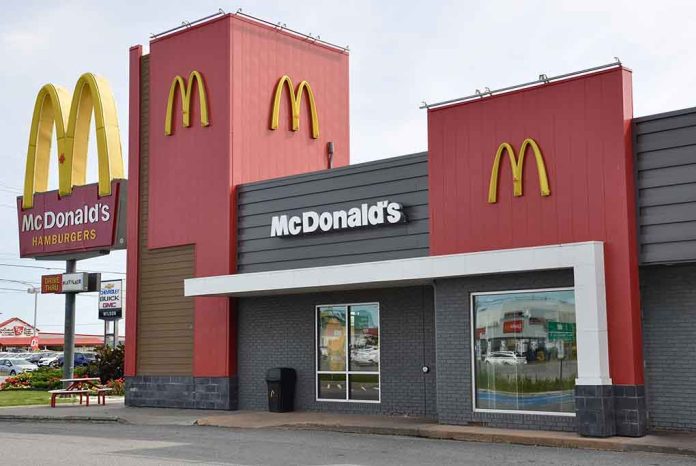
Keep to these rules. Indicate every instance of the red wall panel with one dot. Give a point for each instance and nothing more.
(133, 226)
(583, 128)
(194, 171)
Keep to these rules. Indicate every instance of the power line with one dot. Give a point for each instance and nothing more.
(59, 268)
(13, 289)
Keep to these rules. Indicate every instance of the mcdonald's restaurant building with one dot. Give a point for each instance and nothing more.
(534, 269)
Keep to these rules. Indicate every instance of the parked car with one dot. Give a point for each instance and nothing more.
(34, 358)
(79, 360)
(14, 366)
(507, 358)
(49, 360)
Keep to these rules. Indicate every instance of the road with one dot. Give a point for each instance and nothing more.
(118, 444)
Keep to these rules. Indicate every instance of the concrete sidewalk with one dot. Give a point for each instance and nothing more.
(672, 443)
(115, 411)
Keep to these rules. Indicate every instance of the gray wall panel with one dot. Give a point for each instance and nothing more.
(400, 179)
(279, 331)
(668, 299)
(333, 260)
(665, 153)
(668, 194)
(665, 139)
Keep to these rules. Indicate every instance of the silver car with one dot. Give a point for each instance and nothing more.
(507, 358)
(15, 366)
(49, 360)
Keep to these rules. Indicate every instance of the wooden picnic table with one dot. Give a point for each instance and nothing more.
(81, 386)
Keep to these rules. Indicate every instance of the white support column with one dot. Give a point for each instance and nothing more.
(591, 318)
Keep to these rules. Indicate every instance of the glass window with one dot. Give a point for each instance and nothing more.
(348, 352)
(525, 351)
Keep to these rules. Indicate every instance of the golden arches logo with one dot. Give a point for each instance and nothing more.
(517, 167)
(295, 104)
(186, 89)
(71, 117)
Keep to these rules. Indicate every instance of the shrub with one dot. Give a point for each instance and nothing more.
(117, 386)
(108, 364)
(17, 382)
(44, 378)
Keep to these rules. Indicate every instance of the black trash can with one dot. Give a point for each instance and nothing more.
(281, 389)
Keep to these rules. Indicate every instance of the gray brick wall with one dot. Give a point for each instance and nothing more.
(182, 392)
(668, 300)
(278, 331)
(453, 337)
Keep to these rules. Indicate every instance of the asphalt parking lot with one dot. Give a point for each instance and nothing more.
(119, 444)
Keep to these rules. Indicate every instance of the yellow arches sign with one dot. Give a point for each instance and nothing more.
(517, 166)
(186, 91)
(71, 116)
(295, 104)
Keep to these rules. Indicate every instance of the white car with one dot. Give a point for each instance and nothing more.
(15, 366)
(365, 356)
(507, 358)
(48, 360)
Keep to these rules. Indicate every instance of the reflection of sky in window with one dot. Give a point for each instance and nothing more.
(332, 314)
(550, 305)
(366, 316)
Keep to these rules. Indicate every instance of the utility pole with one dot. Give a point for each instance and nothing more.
(35, 291)
(69, 332)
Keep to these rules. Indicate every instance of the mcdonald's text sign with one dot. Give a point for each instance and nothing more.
(77, 223)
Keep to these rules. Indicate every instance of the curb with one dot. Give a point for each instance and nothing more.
(88, 419)
(526, 438)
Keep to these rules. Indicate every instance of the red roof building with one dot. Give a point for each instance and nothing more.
(15, 332)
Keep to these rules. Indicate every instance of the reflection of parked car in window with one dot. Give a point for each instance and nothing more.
(369, 355)
(505, 358)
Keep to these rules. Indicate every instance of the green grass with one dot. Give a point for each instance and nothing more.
(28, 397)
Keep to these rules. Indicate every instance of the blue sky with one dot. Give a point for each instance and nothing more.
(402, 52)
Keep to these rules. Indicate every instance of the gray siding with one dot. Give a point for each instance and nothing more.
(278, 331)
(665, 148)
(668, 295)
(400, 179)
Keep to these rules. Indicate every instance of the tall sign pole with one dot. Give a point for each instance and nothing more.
(69, 333)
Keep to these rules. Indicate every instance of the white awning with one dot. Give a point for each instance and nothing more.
(399, 272)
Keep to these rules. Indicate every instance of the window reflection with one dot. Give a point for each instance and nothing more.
(364, 339)
(525, 351)
(348, 352)
(332, 338)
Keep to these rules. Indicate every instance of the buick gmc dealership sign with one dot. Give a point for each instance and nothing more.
(380, 213)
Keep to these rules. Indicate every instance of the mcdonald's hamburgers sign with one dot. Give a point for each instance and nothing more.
(78, 220)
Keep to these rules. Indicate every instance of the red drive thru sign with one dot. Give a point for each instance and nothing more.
(52, 283)
(34, 343)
